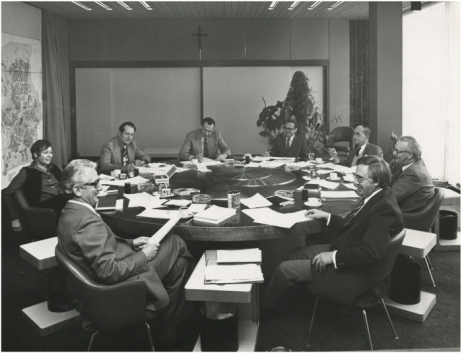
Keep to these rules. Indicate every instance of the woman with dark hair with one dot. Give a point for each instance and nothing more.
(40, 181)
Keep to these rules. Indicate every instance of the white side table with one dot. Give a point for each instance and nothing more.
(451, 202)
(41, 255)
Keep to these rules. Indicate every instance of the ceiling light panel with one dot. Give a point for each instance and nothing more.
(145, 4)
(334, 6)
(103, 5)
(314, 5)
(124, 5)
(273, 5)
(81, 5)
(294, 4)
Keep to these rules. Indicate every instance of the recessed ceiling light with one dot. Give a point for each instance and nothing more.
(103, 5)
(314, 5)
(125, 5)
(145, 4)
(273, 5)
(295, 3)
(334, 6)
(81, 5)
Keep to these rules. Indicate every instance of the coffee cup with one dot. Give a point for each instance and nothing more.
(318, 160)
(333, 176)
(313, 201)
(194, 161)
(117, 173)
(184, 212)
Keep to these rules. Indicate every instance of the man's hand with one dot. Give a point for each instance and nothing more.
(333, 153)
(127, 168)
(150, 250)
(317, 214)
(140, 162)
(321, 260)
(16, 225)
(139, 242)
(221, 157)
(199, 158)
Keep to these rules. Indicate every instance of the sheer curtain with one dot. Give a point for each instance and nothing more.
(431, 86)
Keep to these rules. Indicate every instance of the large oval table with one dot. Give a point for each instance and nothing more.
(238, 231)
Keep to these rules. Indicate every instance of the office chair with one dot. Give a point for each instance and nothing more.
(105, 307)
(40, 223)
(375, 294)
(423, 219)
(341, 134)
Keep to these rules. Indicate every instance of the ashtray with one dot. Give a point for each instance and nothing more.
(186, 191)
(202, 198)
(284, 193)
(312, 205)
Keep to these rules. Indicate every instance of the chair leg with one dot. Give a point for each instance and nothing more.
(429, 262)
(367, 329)
(148, 331)
(389, 320)
(312, 320)
(430, 271)
(80, 338)
(92, 340)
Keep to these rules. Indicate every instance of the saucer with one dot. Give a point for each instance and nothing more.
(330, 179)
(313, 205)
(189, 215)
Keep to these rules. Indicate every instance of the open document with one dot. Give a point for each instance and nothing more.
(268, 216)
(222, 274)
(255, 201)
(239, 256)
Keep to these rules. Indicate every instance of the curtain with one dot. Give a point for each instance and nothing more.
(431, 86)
(359, 73)
(54, 117)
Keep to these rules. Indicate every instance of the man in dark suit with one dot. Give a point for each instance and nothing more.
(204, 142)
(290, 145)
(412, 185)
(352, 264)
(85, 238)
(122, 152)
(362, 147)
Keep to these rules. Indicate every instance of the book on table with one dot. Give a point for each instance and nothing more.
(239, 256)
(214, 214)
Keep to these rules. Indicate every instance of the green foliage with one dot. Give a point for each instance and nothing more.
(388, 155)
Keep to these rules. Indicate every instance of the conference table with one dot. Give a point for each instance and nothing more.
(239, 231)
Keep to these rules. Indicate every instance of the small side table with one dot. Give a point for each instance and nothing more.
(417, 244)
(246, 295)
(41, 255)
(451, 202)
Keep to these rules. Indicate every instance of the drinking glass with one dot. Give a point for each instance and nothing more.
(311, 156)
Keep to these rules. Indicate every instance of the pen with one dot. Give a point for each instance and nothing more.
(185, 223)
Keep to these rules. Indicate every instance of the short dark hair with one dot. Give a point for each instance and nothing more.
(39, 146)
(378, 171)
(208, 120)
(127, 123)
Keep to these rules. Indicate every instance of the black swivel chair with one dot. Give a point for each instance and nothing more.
(374, 295)
(423, 219)
(341, 134)
(106, 307)
(40, 223)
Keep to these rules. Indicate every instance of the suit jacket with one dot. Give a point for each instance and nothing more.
(192, 145)
(413, 187)
(298, 148)
(111, 154)
(361, 246)
(369, 150)
(87, 240)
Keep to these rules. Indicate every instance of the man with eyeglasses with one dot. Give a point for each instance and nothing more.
(204, 142)
(362, 147)
(353, 262)
(412, 184)
(122, 152)
(85, 238)
(290, 145)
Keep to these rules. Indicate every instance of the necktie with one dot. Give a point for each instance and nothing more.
(358, 148)
(206, 147)
(124, 156)
(288, 143)
(353, 213)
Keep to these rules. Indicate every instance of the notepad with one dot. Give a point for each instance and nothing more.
(214, 214)
(221, 274)
(239, 256)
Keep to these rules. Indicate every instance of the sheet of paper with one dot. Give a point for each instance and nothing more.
(313, 181)
(328, 184)
(179, 203)
(270, 217)
(162, 232)
(350, 186)
(105, 177)
(197, 207)
(260, 159)
(233, 273)
(145, 200)
(119, 206)
(147, 170)
(339, 195)
(201, 167)
(340, 168)
(289, 159)
(135, 180)
(253, 165)
(271, 164)
(103, 190)
(255, 201)
(207, 161)
(162, 214)
(241, 255)
(324, 171)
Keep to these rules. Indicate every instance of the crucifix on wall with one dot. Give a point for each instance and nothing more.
(199, 44)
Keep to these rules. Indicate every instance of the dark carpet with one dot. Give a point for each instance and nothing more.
(335, 329)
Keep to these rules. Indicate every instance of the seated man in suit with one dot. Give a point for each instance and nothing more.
(352, 264)
(85, 238)
(290, 145)
(204, 142)
(122, 152)
(412, 185)
(362, 147)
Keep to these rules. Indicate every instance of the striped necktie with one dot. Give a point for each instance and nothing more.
(206, 147)
(288, 143)
(353, 213)
(124, 156)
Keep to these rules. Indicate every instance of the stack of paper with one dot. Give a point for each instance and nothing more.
(145, 200)
(260, 159)
(214, 214)
(255, 201)
(178, 203)
(207, 161)
(338, 195)
(272, 164)
(135, 180)
(221, 274)
(268, 216)
(239, 256)
(197, 207)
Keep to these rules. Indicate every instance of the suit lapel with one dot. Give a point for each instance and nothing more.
(117, 151)
(366, 149)
(199, 143)
(366, 207)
